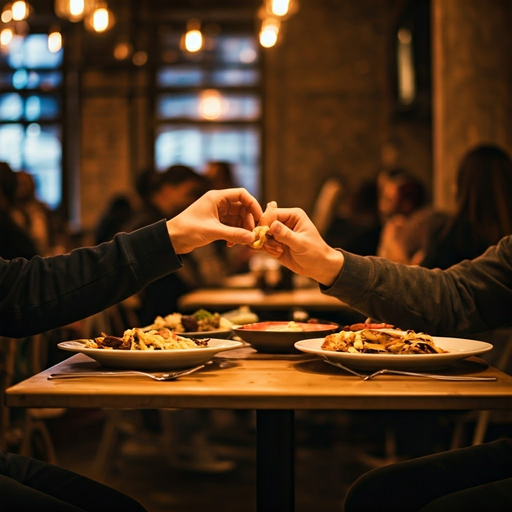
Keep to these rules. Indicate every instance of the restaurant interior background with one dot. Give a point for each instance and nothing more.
(349, 88)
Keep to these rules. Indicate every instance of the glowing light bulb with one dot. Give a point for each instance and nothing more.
(100, 19)
(280, 7)
(269, 33)
(54, 41)
(6, 36)
(211, 104)
(19, 10)
(6, 16)
(76, 8)
(193, 40)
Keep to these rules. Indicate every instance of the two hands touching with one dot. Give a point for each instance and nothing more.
(232, 214)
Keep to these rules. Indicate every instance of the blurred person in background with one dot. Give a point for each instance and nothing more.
(401, 197)
(165, 195)
(220, 174)
(113, 218)
(483, 212)
(358, 230)
(15, 240)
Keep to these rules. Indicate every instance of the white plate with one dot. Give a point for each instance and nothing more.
(152, 359)
(457, 349)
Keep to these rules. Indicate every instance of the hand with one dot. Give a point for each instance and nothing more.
(228, 214)
(298, 245)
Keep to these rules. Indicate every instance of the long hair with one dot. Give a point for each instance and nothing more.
(484, 193)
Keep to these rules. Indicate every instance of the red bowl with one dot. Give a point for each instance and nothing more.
(272, 337)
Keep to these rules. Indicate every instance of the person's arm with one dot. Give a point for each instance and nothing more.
(44, 293)
(40, 294)
(470, 297)
(473, 296)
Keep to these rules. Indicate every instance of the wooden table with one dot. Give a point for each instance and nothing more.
(274, 386)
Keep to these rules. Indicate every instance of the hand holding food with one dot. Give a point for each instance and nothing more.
(261, 233)
(298, 245)
(227, 214)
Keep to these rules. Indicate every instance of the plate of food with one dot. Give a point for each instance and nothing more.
(280, 337)
(160, 349)
(375, 347)
(201, 324)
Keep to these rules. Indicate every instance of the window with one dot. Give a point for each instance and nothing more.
(208, 106)
(31, 113)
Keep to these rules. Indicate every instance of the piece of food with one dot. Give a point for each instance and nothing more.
(261, 236)
(242, 315)
(200, 321)
(155, 339)
(381, 341)
(289, 327)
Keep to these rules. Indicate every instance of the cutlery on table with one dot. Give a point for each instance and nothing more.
(410, 374)
(127, 373)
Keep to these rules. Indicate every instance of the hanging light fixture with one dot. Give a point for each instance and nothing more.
(20, 10)
(211, 104)
(6, 36)
(73, 10)
(54, 40)
(269, 32)
(281, 8)
(6, 16)
(100, 18)
(193, 37)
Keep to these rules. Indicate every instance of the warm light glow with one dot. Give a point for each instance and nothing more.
(122, 50)
(76, 8)
(54, 41)
(140, 58)
(269, 33)
(211, 104)
(19, 10)
(280, 7)
(193, 40)
(73, 10)
(100, 19)
(6, 15)
(6, 36)
(406, 71)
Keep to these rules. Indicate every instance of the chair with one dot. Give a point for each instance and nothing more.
(501, 358)
(32, 426)
(326, 204)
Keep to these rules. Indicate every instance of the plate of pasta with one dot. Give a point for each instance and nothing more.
(160, 349)
(432, 352)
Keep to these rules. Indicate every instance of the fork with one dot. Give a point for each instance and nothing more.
(410, 374)
(126, 373)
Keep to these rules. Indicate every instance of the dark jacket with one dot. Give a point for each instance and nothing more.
(473, 296)
(46, 293)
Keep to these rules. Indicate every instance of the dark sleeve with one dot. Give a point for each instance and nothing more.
(46, 293)
(470, 297)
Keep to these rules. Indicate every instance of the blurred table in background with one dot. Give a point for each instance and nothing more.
(269, 305)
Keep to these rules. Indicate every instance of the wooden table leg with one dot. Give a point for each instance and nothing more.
(275, 460)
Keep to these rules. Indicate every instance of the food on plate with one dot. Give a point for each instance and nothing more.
(242, 315)
(200, 321)
(289, 327)
(261, 236)
(380, 340)
(138, 339)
